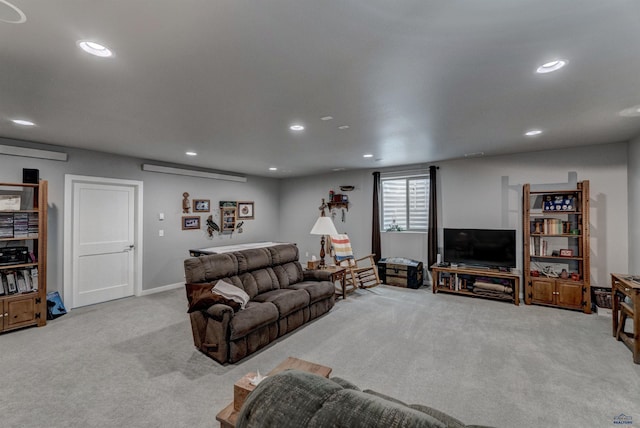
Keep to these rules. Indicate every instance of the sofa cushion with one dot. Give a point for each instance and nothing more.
(317, 290)
(252, 259)
(345, 383)
(287, 399)
(283, 253)
(211, 267)
(288, 273)
(286, 300)
(200, 297)
(265, 280)
(252, 317)
(449, 421)
(357, 409)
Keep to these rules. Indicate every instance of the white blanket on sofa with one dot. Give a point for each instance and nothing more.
(231, 292)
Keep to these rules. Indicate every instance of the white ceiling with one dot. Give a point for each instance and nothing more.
(417, 81)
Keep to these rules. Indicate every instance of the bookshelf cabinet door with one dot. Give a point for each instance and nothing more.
(570, 294)
(542, 291)
(19, 312)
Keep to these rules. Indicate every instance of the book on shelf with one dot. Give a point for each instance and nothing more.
(12, 287)
(32, 225)
(33, 272)
(26, 276)
(22, 285)
(6, 225)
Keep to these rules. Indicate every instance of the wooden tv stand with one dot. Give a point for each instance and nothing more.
(454, 279)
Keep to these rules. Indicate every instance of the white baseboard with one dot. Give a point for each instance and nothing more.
(161, 289)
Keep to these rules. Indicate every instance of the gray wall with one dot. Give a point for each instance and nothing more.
(487, 193)
(483, 193)
(634, 207)
(163, 256)
(301, 197)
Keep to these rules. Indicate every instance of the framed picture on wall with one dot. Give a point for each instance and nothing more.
(245, 211)
(190, 222)
(201, 205)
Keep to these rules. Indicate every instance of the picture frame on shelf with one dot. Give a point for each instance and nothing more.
(201, 205)
(190, 222)
(246, 210)
(566, 252)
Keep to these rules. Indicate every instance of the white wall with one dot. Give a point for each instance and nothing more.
(634, 207)
(478, 193)
(163, 256)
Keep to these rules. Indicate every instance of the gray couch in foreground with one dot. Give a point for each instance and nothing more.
(299, 399)
(282, 298)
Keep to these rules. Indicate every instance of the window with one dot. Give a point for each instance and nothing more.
(405, 203)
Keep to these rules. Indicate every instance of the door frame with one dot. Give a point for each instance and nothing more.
(69, 181)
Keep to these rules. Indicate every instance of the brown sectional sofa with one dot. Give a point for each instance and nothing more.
(282, 298)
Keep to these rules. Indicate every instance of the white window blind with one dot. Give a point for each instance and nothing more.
(405, 203)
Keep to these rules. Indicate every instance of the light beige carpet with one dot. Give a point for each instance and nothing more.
(131, 363)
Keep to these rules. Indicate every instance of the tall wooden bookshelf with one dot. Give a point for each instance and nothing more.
(23, 259)
(556, 247)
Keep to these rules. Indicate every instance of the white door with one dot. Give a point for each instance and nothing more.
(103, 241)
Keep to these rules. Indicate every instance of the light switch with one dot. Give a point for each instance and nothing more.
(161, 217)
(160, 232)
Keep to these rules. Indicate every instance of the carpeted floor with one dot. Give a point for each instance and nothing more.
(131, 363)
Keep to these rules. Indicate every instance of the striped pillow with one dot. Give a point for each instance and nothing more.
(342, 247)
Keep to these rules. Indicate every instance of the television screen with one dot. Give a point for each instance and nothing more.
(480, 247)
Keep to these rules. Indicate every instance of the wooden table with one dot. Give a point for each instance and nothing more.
(243, 387)
(625, 286)
(338, 273)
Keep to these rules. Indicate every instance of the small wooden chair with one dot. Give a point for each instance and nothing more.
(359, 275)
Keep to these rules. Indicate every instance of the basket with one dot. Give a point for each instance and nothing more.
(603, 298)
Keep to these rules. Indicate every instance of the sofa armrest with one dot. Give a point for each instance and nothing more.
(317, 275)
(218, 310)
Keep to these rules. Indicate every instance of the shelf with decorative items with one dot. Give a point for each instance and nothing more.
(556, 247)
(228, 216)
(23, 258)
(338, 200)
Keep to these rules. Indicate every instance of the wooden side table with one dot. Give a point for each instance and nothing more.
(338, 273)
(243, 387)
(624, 286)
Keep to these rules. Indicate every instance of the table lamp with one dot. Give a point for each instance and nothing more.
(324, 226)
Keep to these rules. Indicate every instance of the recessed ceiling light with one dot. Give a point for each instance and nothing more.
(533, 132)
(296, 127)
(343, 127)
(23, 122)
(18, 16)
(95, 48)
(631, 111)
(326, 118)
(551, 66)
(273, 168)
(191, 153)
(368, 155)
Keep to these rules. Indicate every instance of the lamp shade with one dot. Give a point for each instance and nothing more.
(324, 226)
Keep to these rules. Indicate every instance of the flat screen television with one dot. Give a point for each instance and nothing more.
(480, 247)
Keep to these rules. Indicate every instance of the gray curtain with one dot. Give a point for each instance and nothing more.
(376, 248)
(432, 229)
